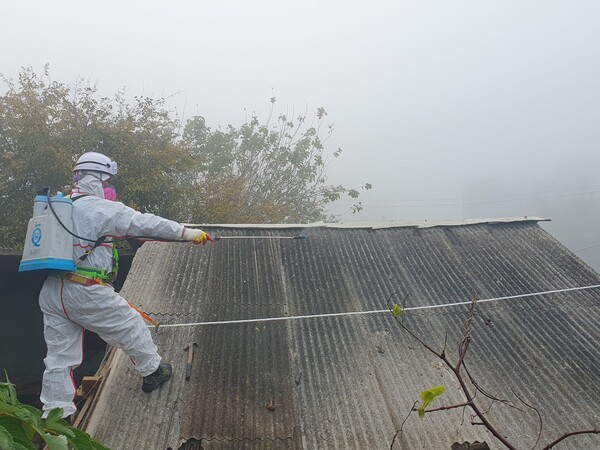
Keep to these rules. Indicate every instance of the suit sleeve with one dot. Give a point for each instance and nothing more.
(129, 222)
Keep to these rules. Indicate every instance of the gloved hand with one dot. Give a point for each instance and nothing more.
(196, 236)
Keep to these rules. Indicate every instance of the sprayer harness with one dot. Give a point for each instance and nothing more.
(89, 276)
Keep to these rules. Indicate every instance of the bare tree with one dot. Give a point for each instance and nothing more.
(469, 386)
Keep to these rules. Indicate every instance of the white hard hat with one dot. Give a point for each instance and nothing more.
(96, 162)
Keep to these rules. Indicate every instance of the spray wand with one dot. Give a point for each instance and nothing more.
(300, 236)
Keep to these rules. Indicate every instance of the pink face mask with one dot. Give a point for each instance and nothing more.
(110, 193)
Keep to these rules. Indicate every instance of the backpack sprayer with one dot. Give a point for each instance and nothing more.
(48, 241)
(47, 244)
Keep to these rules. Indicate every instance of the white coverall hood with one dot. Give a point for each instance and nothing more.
(89, 184)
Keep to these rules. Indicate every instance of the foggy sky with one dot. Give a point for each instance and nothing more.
(451, 110)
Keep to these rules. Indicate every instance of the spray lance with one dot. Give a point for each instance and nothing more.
(300, 236)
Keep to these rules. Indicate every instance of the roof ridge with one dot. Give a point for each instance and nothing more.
(375, 225)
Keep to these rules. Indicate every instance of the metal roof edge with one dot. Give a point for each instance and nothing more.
(374, 225)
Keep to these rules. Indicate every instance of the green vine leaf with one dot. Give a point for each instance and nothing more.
(55, 442)
(82, 441)
(396, 310)
(6, 408)
(6, 440)
(20, 434)
(54, 416)
(429, 396)
(8, 391)
(20, 423)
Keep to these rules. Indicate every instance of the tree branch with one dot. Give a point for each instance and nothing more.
(423, 343)
(444, 408)
(538, 414)
(567, 435)
(456, 369)
(402, 425)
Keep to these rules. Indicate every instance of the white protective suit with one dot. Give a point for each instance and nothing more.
(69, 307)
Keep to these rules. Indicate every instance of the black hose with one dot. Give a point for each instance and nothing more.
(47, 189)
(101, 239)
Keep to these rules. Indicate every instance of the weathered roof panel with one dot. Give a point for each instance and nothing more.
(350, 381)
(372, 225)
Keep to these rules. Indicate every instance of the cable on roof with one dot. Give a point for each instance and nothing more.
(377, 311)
(587, 248)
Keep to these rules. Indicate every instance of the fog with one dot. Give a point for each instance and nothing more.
(452, 110)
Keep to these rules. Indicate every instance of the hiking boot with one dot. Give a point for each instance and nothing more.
(154, 380)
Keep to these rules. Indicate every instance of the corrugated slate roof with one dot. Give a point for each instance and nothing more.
(350, 381)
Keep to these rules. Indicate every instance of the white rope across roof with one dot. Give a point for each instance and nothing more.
(377, 311)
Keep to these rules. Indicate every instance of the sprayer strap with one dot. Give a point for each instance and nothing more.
(97, 244)
(86, 276)
(78, 197)
(90, 272)
(81, 279)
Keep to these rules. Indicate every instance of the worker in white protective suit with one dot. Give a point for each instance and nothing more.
(76, 301)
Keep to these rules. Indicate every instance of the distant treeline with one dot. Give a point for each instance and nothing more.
(270, 172)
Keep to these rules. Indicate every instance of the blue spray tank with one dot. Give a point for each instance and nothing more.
(48, 246)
